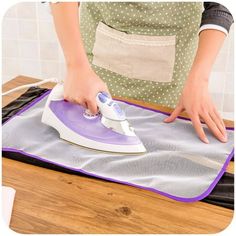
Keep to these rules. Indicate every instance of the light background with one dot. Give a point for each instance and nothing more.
(30, 47)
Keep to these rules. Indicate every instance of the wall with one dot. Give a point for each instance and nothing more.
(30, 47)
(222, 78)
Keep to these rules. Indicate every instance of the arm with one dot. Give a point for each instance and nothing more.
(81, 83)
(195, 98)
(210, 42)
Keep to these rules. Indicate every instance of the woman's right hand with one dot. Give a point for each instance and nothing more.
(82, 86)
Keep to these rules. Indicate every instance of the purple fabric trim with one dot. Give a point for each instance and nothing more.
(200, 197)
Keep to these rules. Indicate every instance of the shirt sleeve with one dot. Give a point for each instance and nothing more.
(216, 16)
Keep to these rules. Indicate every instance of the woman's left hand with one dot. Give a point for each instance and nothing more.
(196, 101)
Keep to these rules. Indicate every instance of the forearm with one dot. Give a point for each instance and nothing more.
(66, 20)
(210, 42)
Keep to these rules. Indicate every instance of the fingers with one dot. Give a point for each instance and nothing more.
(92, 106)
(84, 104)
(195, 120)
(105, 89)
(91, 102)
(215, 126)
(219, 121)
(198, 128)
(174, 114)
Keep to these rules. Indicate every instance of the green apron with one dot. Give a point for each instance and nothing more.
(143, 51)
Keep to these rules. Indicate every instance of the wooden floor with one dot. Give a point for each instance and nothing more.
(48, 201)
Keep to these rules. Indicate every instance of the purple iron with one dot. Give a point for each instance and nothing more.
(109, 130)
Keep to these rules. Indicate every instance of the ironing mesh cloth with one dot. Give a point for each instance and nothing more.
(177, 164)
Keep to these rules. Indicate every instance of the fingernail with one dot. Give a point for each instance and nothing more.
(224, 139)
(206, 140)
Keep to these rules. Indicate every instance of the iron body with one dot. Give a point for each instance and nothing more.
(109, 130)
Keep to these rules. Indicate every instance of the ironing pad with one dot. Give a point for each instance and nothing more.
(177, 164)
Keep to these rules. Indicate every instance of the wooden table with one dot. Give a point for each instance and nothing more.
(48, 201)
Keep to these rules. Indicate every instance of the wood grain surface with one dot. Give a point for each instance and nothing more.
(49, 201)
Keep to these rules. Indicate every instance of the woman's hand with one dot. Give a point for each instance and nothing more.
(82, 86)
(196, 101)
(81, 83)
(195, 98)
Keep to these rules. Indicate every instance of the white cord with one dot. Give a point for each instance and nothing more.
(55, 80)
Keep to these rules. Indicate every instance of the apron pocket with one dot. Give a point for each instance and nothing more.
(135, 56)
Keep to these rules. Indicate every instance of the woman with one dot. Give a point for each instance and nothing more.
(145, 51)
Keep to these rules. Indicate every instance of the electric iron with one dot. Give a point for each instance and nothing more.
(108, 130)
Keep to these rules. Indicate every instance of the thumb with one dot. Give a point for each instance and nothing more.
(92, 106)
(106, 90)
(174, 114)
